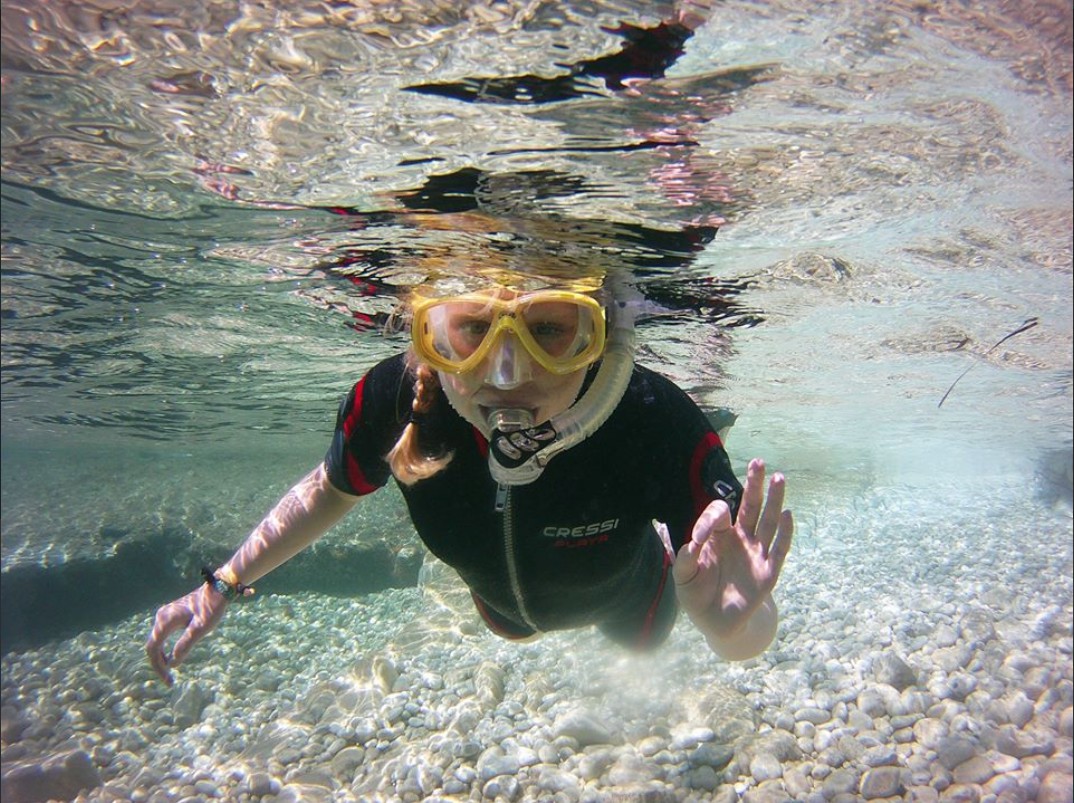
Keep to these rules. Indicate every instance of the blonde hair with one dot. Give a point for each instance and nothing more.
(406, 459)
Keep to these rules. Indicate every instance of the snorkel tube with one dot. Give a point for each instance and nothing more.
(519, 450)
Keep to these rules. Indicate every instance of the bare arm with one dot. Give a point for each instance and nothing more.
(303, 515)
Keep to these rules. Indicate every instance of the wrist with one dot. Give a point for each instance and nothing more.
(224, 582)
(750, 638)
(227, 574)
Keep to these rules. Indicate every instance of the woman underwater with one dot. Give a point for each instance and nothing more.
(534, 457)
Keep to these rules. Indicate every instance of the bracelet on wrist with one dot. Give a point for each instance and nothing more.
(229, 591)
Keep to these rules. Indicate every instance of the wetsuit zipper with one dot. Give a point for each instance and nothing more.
(503, 506)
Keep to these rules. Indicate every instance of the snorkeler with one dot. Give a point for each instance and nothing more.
(534, 457)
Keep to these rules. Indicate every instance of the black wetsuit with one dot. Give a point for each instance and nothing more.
(577, 546)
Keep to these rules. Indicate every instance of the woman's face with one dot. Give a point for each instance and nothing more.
(502, 349)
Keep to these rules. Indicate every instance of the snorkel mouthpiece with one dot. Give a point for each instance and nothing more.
(519, 450)
(510, 420)
(515, 449)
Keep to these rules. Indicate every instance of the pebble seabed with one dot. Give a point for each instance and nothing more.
(919, 658)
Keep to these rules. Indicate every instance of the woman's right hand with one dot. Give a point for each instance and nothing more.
(195, 615)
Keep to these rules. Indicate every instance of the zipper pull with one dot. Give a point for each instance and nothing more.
(501, 497)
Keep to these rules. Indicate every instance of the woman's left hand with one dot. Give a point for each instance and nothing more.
(725, 574)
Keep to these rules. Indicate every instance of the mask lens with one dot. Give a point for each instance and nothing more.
(456, 330)
(560, 329)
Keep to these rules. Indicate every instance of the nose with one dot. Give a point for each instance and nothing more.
(509, 364)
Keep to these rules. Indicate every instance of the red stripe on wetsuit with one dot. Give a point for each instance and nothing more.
(647, 627)
(355, 476)
(699, 493)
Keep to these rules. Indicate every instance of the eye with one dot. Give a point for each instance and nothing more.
(548, 329)
(471, 327)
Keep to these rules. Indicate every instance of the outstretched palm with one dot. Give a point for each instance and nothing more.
(728, 569)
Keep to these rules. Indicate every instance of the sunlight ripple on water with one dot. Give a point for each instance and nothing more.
(207, 220)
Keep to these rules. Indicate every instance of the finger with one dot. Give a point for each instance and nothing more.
(714, 518)
(166, 622)
(752, 496)
(781, 547)
(158, 661)
(185, 644)
(685, 568)
(773, 509)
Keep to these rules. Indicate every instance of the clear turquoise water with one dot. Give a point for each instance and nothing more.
(895, 186)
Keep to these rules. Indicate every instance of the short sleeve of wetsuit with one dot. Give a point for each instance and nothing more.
(696, 465)
(371, 417)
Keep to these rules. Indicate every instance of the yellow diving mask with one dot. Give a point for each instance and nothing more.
(561, 330)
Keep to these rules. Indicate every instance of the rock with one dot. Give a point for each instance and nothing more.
(261, 784)
(268, 680)
(651, 745)
(922, 794)
(299, 793)
(555, 780)
(703, 778)
(1056, 788)
(60, 777)
(882, 782)
(191, 702)
(929, 732)
(780, 744)
(426, 778)
(891, 670)
(632, 771)
(686, 737)
(488, 683)
(770, 792)
(12, 725)
(977, 626)
(961, 685)
(347, 760)
(796, 783)
(977, 769)
(952, 659)
(765, 767)
(912, 702)
(1022, 743)
(502, 787)
(878, 700)
(716, 756)
(880, 756)
(962, 793)
(818, 716)
(944, 636)
(1015, 709)
(851, 748)
(954, 750)
(724, 710)
(840, 782)
(594, 764)
(584, 727)
(493, 763)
